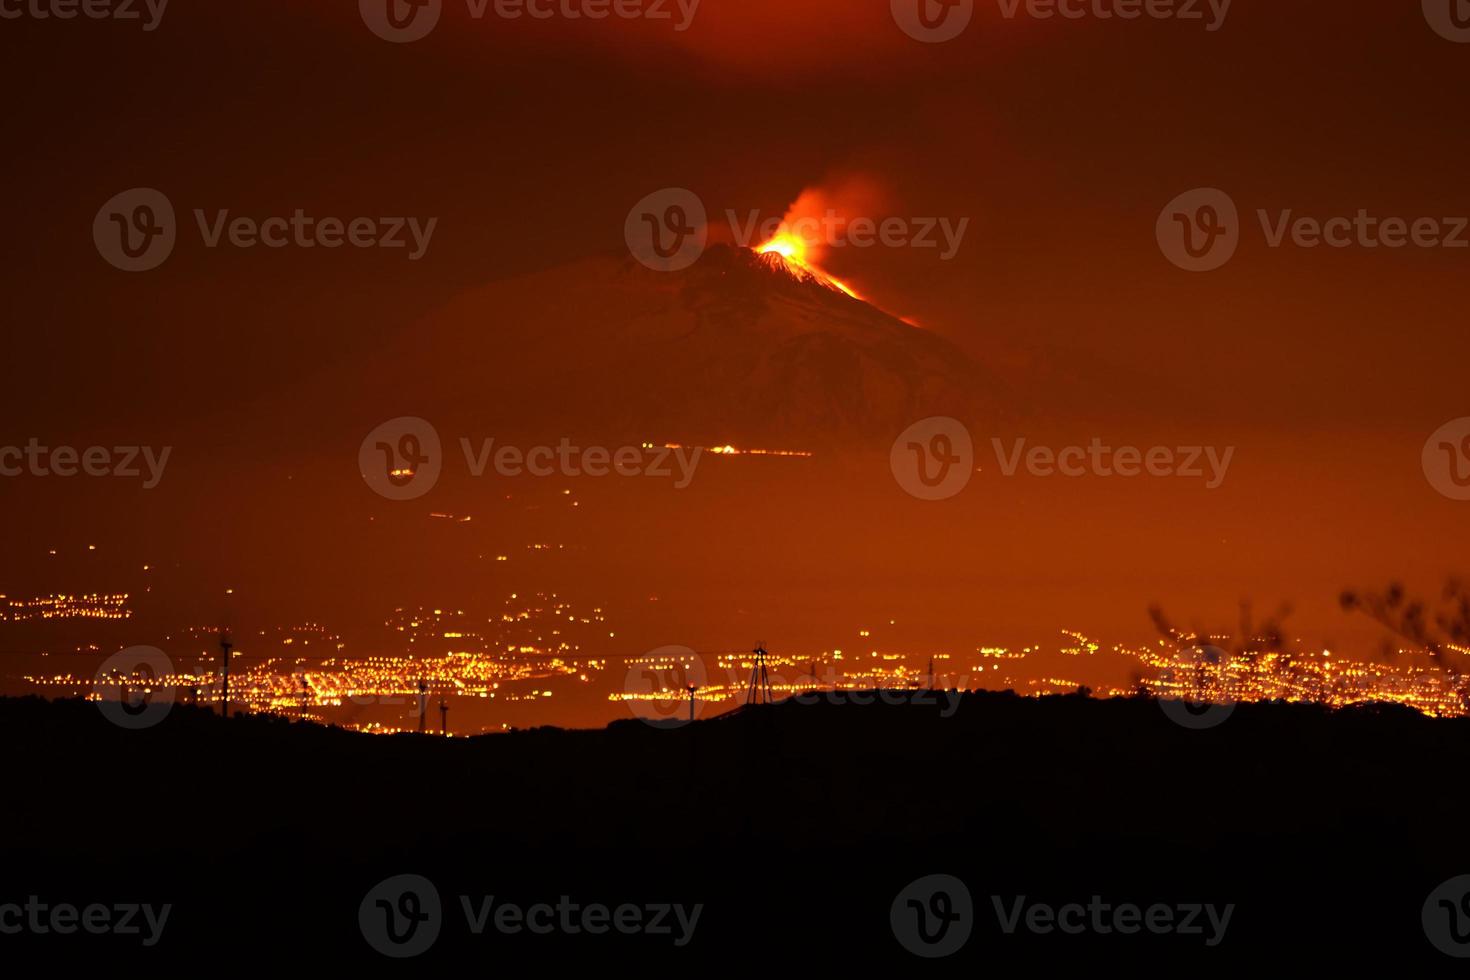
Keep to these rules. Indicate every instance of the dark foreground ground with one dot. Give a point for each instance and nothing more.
(794, 827)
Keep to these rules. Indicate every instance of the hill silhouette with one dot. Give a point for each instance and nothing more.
(794, 826)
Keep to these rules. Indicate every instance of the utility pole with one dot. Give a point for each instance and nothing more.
(225, 645)
(305, 695)
(423, 706)
(443, 718)
(692, 689)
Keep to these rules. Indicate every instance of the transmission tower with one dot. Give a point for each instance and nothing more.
(760, 680)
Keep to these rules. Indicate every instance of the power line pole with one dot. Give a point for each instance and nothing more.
(225, 645)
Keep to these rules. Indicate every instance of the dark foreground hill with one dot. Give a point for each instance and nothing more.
(1288, 836)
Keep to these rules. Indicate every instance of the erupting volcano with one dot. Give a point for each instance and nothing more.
(747, 347)
(794, 256)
